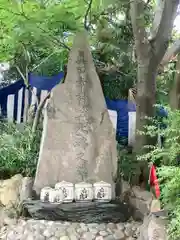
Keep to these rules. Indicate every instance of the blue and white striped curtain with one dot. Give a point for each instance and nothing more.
(12, 101)
(16, 97)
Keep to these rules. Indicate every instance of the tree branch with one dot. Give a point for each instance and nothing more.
(162, 25)
(43, 61)
(171, 52)
(54, 38)
(147, 3)
(22, 75)
(138, 25)
(86, 25)
(38, 113)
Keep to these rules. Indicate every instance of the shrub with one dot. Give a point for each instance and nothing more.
(127, 163)
(19, 150)
(169, 170)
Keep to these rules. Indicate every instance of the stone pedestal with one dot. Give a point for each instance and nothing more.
(86, 212)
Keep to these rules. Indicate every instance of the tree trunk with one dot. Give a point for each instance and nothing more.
(150, 51)
(175, 91)
(146, 98)
(145, 102)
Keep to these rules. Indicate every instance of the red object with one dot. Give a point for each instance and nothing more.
(154, 181)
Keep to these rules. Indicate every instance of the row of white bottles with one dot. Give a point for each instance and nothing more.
(81, 192)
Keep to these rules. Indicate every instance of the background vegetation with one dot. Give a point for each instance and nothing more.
(19, 149)
(168, 160)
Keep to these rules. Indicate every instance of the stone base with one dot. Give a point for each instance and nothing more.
(89, 212)
(138, 199)
(154, 227)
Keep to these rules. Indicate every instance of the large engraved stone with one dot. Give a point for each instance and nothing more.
(78, 142)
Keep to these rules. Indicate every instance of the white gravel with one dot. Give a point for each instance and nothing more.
(42, 230)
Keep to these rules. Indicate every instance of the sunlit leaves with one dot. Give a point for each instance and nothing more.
(31, 24)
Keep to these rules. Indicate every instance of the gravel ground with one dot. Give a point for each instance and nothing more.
(42, 230)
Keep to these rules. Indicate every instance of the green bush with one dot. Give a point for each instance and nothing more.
(127, 164)
(169, 170)
(19, 150)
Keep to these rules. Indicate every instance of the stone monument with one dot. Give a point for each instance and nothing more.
(78, 142)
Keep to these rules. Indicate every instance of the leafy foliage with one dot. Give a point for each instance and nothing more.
(37, 35)
(169, 170)
(116, 85)
(19, 150)
(33, 30)
(113, 43)
(164, 83)
(127, 164)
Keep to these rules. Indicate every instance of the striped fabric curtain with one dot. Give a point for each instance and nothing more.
(132, 115)
(12, 101)
(15, 98)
